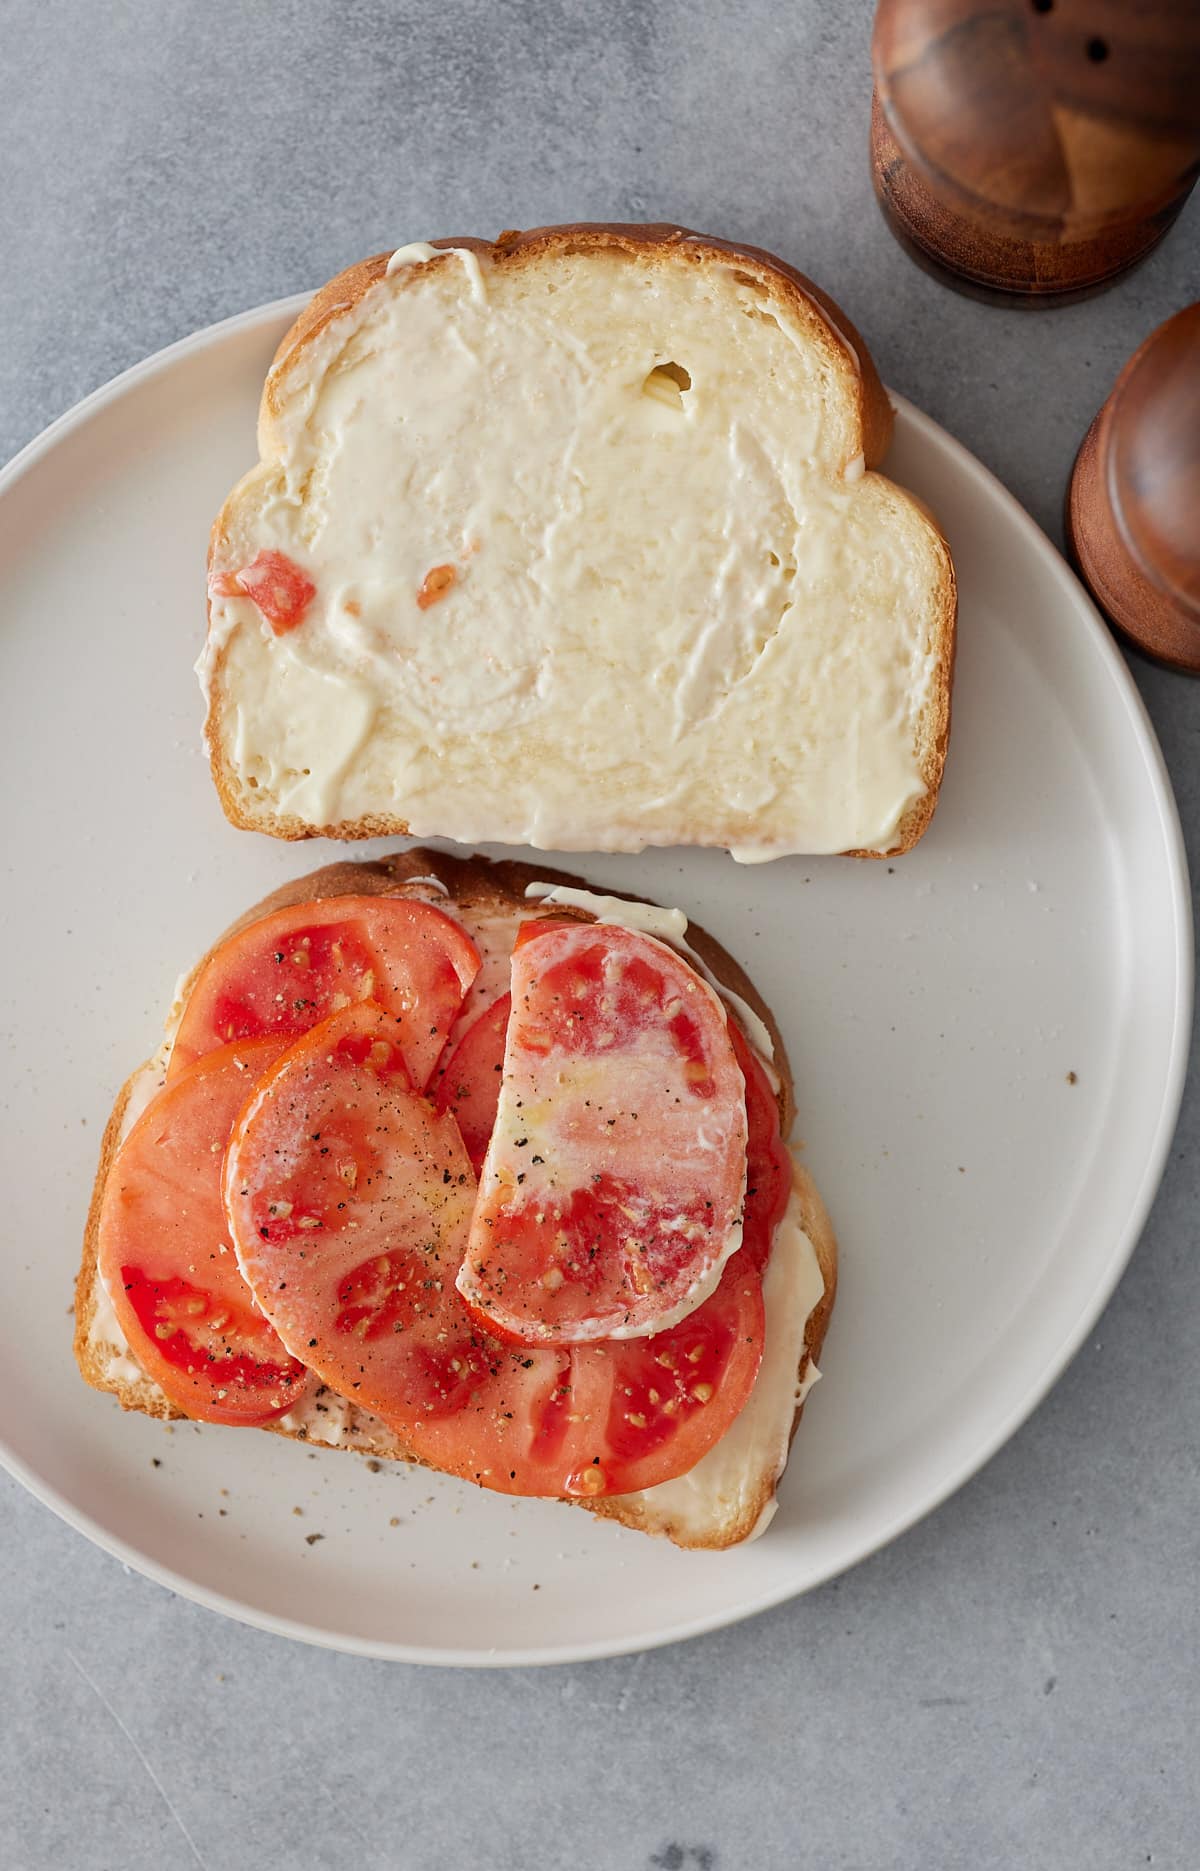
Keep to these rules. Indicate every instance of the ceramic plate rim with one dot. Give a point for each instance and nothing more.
(1125, 1239)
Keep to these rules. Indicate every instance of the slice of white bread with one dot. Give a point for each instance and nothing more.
(731, 1494)
(600, 562)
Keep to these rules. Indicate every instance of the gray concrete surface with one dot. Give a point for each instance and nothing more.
(1014, 1684)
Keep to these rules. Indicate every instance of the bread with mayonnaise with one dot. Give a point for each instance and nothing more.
(577, 540)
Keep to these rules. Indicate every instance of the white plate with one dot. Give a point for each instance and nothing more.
(935, 1011)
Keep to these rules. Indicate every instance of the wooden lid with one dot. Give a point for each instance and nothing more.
(1153, 457)
(1045, 111)
(1133, 509)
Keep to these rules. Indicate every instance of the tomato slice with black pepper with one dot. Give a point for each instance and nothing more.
(166, 1259)
(292, 969)
(664, 1387)
(468, 1085)
(666, 1400)
(349, 1200)
(273, 582)
(612, 1192)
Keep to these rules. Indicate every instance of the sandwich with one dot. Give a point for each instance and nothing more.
(463, 1163)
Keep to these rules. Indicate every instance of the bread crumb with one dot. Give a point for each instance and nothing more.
(310, 1539)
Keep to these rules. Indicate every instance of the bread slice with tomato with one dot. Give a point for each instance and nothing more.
(577, 539)
(458, 1162)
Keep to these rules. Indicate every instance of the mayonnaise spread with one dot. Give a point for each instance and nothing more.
(597, 567)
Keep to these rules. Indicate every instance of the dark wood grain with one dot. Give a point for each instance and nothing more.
(1034, 150)
(1133, 505)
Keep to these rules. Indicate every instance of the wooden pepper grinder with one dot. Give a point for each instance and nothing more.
(1032, 151)
(1133, 505)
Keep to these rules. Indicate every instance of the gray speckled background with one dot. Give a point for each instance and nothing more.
(1015, 1682)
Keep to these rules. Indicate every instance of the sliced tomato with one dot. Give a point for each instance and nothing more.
(274, 583)
(349, 1201)
(468, 1085)
(288, 971)
(670, 1397)
(534, 926)
(613, 1187)
(167, 1261)
(768, 1165)
(664, 1387)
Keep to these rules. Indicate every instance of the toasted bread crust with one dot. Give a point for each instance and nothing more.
(479, 884)
(830, 329)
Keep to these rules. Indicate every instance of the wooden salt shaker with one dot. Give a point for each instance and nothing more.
(1133, 504)
(1032, 151)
